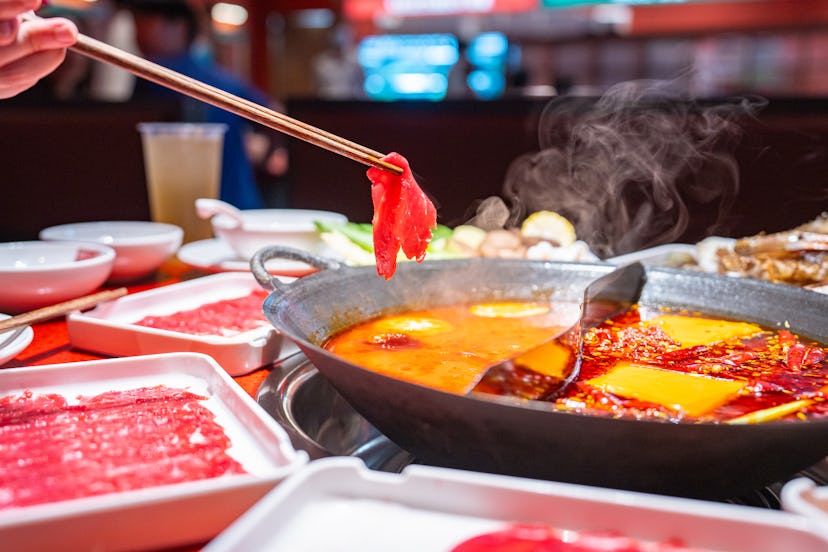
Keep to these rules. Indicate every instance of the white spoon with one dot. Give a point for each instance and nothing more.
(206, 208)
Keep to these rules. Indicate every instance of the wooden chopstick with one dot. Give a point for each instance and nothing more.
(158, 74)
(59, 309)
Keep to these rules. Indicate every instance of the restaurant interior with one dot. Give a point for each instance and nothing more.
(169, 393)
(459, 88)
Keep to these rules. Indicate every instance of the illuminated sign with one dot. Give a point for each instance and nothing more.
(407, 66)
(486, 54)
(437, 7)
(570, 3)
(367, 10)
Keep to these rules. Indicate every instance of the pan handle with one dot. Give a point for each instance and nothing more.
(271, 283)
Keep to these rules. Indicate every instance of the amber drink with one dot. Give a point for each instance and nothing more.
(182, 163)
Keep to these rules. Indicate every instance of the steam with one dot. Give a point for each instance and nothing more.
(626, 168)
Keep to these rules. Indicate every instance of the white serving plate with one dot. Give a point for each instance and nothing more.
(163, 516)
(110, 328)
(261, 228)
(337, 504)
(215, 255)
(19, 343)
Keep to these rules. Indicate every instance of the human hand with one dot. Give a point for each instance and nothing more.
(29, 48)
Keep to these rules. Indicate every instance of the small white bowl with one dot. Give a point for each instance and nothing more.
(264, 227)
(36, 274)
(140, 246)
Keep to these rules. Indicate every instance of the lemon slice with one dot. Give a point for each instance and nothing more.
(508, 309)
(549, 226)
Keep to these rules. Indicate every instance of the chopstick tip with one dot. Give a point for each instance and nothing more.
(390, 167)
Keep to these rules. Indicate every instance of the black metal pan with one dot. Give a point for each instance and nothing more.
(525, 439)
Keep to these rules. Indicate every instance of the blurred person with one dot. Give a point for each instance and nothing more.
(336, 69)
(68, 83)
(30, 49)
(78, 78)
(112, 24)
(165, 32)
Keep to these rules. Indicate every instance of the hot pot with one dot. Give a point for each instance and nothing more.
(525, 438)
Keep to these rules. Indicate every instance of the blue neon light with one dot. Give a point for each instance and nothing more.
(407, 66)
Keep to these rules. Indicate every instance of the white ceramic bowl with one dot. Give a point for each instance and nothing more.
(264, 227)
(35, 274)
(140, 246)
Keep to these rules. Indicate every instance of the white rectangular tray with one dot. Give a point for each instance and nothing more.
(337, 504)
(110, 328)
(806, 497)
(161, 516)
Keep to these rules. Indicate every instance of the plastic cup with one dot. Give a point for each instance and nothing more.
(182, 163)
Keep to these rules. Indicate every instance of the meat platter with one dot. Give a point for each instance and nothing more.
(113, 329)
(150, 516)
(438, 509)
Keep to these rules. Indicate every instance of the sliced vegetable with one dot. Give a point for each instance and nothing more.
(348, 250)
(361, 234)
(353, 241)
(770, 414)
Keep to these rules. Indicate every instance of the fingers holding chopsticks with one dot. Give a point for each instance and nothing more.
(30, 48)
(10, 9)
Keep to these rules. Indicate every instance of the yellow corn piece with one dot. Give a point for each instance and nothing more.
(770, 414)
(689, 393)
(690, 331)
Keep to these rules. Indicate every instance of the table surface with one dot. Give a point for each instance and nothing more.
(50, 344)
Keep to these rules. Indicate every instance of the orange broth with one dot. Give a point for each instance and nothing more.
(448, 347)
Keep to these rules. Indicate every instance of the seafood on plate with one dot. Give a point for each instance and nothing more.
(798, 256)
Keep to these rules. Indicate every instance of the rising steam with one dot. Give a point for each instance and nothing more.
(625, 168)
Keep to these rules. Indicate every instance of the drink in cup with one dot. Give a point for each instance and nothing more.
(182, 162)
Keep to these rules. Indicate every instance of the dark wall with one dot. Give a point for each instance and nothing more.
(461, 151)
(79, 163)
(71, 163)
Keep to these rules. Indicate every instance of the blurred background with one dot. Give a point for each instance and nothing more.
(458, 86)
